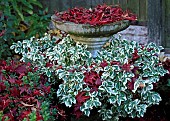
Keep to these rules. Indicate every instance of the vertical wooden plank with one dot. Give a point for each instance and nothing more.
(155, 24)
(81, 3)
(108, 2)
(45, 3)
(111, 3)
(146, 10)
(123, 4)
(97, 2)
(142, 10)
(64, 5)
(167, 25)
(53, 5)
(133, 5)
(115, 1)
(59, 5)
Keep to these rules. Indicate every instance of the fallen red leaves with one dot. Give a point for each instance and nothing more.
(100, 15)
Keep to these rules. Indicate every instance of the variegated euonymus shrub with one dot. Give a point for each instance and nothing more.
(119, 82)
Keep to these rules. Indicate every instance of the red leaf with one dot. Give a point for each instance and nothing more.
(2, 77)
(115, 63)
(28, 64)
(9, 116)
(129, 16)
(49, 64)
(101, 14)
(104, 64)
(21, 75)
(2, 33)
(14, 92)
(36, 68)
(12, 80)
(24, 88)
(135, 55)
(136, 71)
(38, 104)
(93, 80)
(11, 67)
(24, 114)
(96, 19)
(126, 67)
(37, 93)
(81, 98)
(77, 111)
(47, 89)
(59, 67)
(3, 63)
(21, 69)
(38, 116)
(131, 83)
(90, 77)
(4, 103)
(2, 86)
(98, 82)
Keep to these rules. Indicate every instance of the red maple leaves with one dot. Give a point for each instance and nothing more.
(100, 15)
(93, 80)
(80, 98)
(17, 98)
(126, 67)
(135, 55)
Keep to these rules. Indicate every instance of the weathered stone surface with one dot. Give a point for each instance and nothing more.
(89, 30)
(135, 33)
(93, 36)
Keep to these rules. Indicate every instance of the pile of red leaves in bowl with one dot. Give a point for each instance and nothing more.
(100, 15)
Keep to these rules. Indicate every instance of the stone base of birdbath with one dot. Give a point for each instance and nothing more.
(94, 44)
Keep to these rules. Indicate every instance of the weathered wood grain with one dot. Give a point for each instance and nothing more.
(133, 5)
(155, 33)
(167, 24)
(137, 6)
(143, 10)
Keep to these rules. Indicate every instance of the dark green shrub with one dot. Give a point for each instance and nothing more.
(20, 19)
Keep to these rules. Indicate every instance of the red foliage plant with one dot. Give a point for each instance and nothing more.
(80, 99)
(93, 80)
(100, 15)
(18, 96)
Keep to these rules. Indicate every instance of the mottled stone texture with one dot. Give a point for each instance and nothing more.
(135, 33)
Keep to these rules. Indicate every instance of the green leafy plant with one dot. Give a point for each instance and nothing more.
(119, 82)
(20, 20)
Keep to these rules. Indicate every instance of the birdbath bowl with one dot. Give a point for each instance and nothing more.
(93, 36)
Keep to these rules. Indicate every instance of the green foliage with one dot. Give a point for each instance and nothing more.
(19, 20)
(119, 82)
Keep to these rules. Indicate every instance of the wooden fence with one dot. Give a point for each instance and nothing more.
(153, 13)
(139, 7)
(166, 24)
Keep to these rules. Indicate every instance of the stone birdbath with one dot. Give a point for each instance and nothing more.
(93, 36)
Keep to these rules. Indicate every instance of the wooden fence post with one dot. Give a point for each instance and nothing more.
(166, 43)
(156, 21)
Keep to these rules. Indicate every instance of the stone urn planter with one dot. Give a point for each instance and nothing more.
(93, 36)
